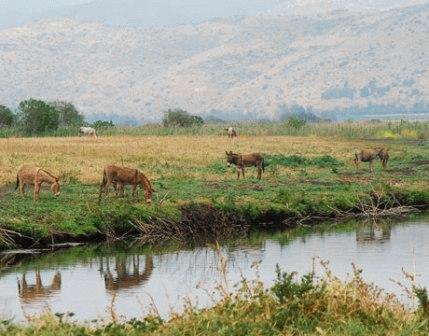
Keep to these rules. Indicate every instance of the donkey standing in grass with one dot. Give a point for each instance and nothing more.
(121, 176)
(246, 160)
(368, 155)
(36, 176)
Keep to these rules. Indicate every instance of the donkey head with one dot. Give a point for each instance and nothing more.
(231, 158)
(55, 187)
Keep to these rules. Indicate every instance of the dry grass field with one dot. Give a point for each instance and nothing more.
(82, 159)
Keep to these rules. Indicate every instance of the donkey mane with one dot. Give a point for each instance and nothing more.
(48, 173)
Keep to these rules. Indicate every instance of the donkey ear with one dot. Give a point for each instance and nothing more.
(57, 179)
(226, 152)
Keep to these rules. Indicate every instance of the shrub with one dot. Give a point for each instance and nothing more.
(37, 116)
(100, 124)
(68, 115)
(181, 118)
(6, 116)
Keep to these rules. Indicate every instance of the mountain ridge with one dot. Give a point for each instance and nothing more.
(256, 66)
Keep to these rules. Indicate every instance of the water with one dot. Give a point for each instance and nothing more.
(85, 280)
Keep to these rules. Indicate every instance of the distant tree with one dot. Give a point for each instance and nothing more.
(6, 116)
(37, 116)
(296, 122)
(68, 115)
(102, 124)
(180, 118)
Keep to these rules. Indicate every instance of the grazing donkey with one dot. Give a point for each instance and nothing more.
(121, 176)
(368, 155)
(87, 131)
(36, 176)
(246, 160)
(231, 132)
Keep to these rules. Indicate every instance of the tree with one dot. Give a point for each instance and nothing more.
(181, 118)
(68, 115)
(102, 124)
(6, 116)
(37, 116)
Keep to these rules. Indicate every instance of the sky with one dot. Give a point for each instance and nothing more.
(148, 13)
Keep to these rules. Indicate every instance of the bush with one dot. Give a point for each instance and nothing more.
(296, 122)
(37, 116)
(181, 118)
(68, 114)
(6, 116)
(102, 124)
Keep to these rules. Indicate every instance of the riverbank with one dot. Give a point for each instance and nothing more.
(198, 196)
(292, 306)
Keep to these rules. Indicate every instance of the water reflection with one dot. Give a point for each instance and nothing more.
(373, 233)
(83, 279)
(126, 273)
(29, 293)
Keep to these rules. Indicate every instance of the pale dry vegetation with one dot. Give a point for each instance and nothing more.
(82, 159)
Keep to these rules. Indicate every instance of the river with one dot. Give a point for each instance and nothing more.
(86, 280)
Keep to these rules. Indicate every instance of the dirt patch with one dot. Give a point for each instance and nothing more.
(256, 187)
(402, 171)
(215, 185)
(316, 182)
(350, 178)
(420, 162)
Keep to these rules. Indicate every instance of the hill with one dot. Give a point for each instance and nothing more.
(254, 67)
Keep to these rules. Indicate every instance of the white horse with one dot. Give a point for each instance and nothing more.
(87, 131)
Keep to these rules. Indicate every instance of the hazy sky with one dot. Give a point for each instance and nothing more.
(145, 13)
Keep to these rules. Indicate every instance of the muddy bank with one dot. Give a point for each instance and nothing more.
(198, 223)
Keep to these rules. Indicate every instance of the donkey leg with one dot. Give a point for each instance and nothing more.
(242, 172)
(259, 172)
(238, 174)
(134, 190)
(36, 191)
(22, 188)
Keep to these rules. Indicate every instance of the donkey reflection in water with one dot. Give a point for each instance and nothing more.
(121, 176)
(368, 155)
(246, 160)
(128, 273)
(29, 175)
(33, 292)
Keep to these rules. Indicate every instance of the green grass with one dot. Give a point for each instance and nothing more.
(314, 186)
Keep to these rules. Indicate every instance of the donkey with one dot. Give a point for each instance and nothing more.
(368, 155)
(87, 131)
(231, 132)
(121, 176)
(246, 160)
(36, 176)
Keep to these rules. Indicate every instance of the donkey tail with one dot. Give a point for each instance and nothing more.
(17, 182)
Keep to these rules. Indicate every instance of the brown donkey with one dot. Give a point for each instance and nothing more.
(368, 155)
(121, 176)
(246, 160)
(36, 176)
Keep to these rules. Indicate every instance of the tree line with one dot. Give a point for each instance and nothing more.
(35, 116)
